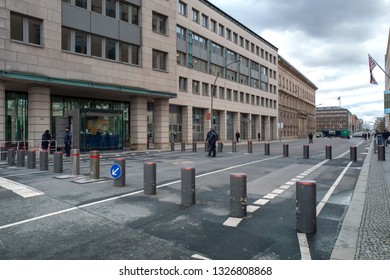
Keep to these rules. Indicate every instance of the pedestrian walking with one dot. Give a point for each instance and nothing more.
(46, 137)
(238, 136)
(67, 142)
(211, 139)
(310, 138)
(385, 136)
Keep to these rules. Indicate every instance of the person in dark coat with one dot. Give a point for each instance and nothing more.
(238, 136)
(310, 137)
(67, 142)
(46, 140)
(211, 139)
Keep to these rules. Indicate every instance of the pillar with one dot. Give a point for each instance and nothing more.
(138, 127)
(161, 123)
(2, 114)
(38, 114)
(223, 129)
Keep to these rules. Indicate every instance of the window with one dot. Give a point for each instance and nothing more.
(111, 8)
(124, 11)
(205, 89)
(222, 93)
(200, 65)
(26, 29)
(205, 21)
(160, 60)
(199, 41)
(96, 6)
(135, 51)
(81, 3)
(181, 33)
(235, 38)
(195, 87)
(221, 30)
(182, 8)
(110, 49)
(195, 15)
(182, 83)
(66, 39)
(96, 45)
(217, 49)
(159, 23)
(229, 94)
(181, 58)
(213, 26)
(134, 15)
(228, 34)
(124, 52)
(80, 42)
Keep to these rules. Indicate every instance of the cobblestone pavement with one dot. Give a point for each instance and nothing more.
(374, 233)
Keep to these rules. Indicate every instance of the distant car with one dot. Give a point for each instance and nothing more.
(357, 134)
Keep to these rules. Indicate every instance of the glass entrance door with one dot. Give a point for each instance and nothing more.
(101, 129)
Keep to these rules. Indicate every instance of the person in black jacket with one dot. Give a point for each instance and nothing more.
(211, 139)
(67, 142)
(46, 140)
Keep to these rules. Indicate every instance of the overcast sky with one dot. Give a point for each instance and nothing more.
(328, 41)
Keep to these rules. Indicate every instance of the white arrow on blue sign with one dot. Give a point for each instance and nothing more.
(115, 171)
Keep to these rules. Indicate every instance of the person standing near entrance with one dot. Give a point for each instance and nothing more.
(310, 138)
(238, 136)
(67, 142)
(46, 140)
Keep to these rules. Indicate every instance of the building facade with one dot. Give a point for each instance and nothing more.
(126, 73)
(297, 109)
(387, 86)
(334, 121)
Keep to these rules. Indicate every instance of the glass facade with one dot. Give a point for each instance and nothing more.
(16, 117)
(175, 124)
(198, 124)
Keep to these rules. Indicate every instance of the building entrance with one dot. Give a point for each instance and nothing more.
(97, 129)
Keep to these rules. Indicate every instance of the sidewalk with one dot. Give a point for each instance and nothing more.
(365, 233)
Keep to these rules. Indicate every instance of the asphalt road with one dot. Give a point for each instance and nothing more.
(55, 216)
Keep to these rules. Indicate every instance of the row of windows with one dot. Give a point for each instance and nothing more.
(295, 89)
(225, 32)
(228, 94)
(112, 8)
(94, 45)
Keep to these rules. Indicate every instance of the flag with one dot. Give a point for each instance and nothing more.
(372, 64)
(338, 98)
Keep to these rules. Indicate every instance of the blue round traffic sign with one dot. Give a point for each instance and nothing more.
(115, 171)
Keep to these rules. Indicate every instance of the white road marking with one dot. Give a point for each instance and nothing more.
(252, 208)
(261, 201)
(232, 222)
(199, 257)
(304, 246)
(18, 188)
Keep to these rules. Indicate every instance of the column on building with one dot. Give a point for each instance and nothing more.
(2, 114)
(138, 123)
(222, 126)
(161, 123)
(187, 124)
(265, 122)
(38, 114)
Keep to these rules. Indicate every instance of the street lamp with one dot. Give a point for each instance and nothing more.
(212, 93)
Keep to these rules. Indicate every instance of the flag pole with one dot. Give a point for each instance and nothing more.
(379, 66)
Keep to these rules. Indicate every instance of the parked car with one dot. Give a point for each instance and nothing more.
(358, 134)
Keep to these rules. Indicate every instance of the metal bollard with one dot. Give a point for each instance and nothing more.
(75, 161)
(183, 146)
(266, 149)
(44, 160)
(249, 146)
(305, 151)
(353, 153)
(94, 157)
(188, 186)
(238, 201)
(172, 146)
(194, 146)
(31, 159)
(3, 151)
(381, 153)
(11, 157)
(121, 181)
(285, 150)
(234, 146)
(58, 162)
(150, 181)
(328, 152)
(306, 216)
(21, 158)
